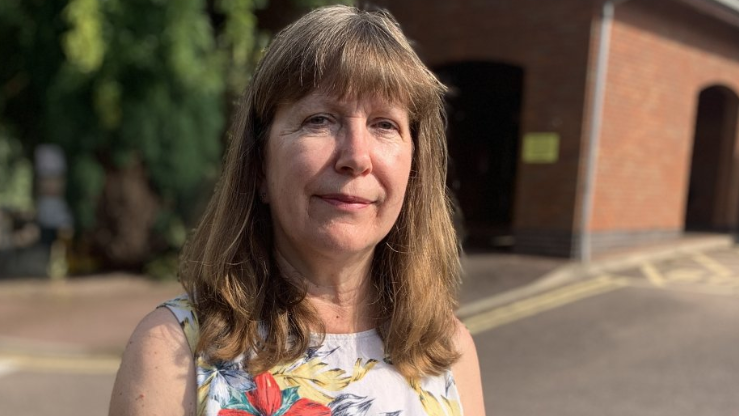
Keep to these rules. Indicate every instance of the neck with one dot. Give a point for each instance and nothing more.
(342, 294)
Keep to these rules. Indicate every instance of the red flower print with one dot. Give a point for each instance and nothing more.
(267, 400)
(267, 397)
(308, 407)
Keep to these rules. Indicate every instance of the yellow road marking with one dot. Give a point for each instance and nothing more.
(537, 304)
(685, 275)
(724, 281)
(653, 274)
(6, 367)
(685, 288)
(75, 365)
(712, 265)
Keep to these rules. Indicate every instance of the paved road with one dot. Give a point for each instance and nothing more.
(658, 339)
(47, 333)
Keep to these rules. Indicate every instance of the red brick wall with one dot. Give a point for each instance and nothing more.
(550, 41)
(662, 55)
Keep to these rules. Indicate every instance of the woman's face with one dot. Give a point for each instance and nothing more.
(336, 174)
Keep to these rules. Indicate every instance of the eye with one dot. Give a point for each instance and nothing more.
(386, 125)
(318, 120)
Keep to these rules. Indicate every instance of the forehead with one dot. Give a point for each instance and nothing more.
(319, 99)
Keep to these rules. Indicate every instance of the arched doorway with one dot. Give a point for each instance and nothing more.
(713, 190)
(484, 112)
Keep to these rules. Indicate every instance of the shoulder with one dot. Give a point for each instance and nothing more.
(157, 373)
(466, 372)
(462, 338)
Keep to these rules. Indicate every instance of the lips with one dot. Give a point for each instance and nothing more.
(346, 201)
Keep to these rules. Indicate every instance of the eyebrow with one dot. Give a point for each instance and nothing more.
(333, 103)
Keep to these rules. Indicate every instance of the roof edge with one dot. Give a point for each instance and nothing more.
(725, 10)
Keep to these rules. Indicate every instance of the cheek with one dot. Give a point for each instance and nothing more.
(398, 170)
(303, 162)
(404, 162)
(293, 166)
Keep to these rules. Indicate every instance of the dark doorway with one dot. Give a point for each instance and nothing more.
(713, 194)
(484, 112)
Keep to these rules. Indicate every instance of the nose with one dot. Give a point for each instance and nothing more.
(354, 153)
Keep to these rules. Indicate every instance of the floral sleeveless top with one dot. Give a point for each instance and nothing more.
(347, 375)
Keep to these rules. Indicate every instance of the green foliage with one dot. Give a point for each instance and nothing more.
(156, 93)
(84, 44)
(163, 268)
(87, 177)
(242, 40)
(31, 56)
(16, 176)
(114, 82)
(313, 4)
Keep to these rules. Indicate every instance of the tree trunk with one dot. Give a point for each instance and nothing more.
(126, 215)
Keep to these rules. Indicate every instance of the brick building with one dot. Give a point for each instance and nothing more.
(581, 126)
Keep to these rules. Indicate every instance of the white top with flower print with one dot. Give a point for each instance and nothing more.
(346, 375)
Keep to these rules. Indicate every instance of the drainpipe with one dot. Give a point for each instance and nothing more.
(596, 118)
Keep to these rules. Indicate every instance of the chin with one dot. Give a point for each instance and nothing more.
(338, 247)
(346, 243)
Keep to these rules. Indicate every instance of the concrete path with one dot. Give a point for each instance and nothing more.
(66, 339)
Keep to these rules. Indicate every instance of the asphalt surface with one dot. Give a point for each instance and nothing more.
(658, 339)
(643, 333)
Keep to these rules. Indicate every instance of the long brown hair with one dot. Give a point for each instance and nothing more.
(227, 267)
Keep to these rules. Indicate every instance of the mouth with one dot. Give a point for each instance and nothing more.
(346, 201)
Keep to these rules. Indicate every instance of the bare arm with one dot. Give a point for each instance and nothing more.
(467, 374)
(157, 373)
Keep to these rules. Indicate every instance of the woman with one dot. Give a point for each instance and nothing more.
(322, 277)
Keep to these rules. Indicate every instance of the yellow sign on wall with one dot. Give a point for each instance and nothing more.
(540, 148)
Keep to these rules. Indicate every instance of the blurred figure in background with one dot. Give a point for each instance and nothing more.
(53, 215)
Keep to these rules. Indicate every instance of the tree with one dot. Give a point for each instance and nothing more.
(135, 92)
